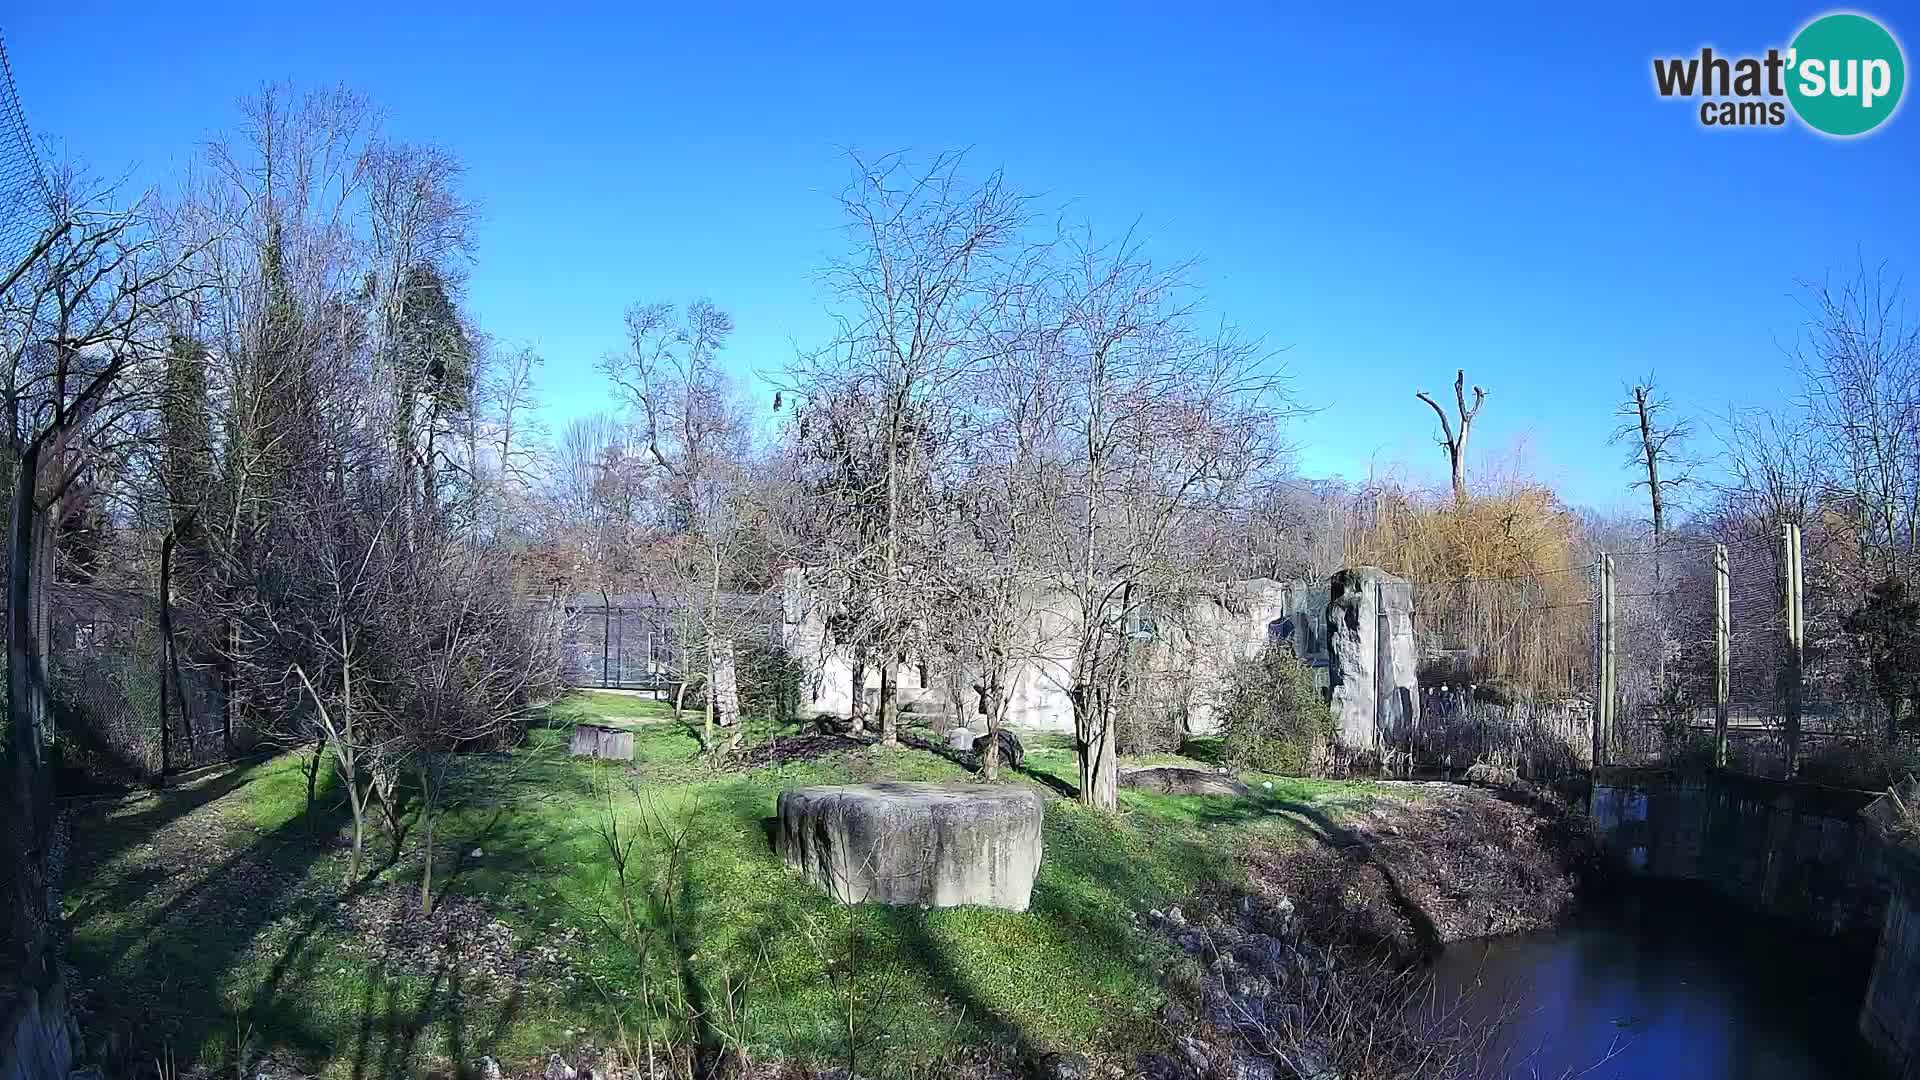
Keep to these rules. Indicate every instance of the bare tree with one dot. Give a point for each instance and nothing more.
(1159, 429)
(81, 329)
(1771, 479)
(991, 580)
(1860, 363)
(470, 668)
(691, 424)
(1657, 448)
(514, 453)
(931, 260)
(1455, 443)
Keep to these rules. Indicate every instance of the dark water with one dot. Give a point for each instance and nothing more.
(1670, 982)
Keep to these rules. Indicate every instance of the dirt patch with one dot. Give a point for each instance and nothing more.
(460, 937)
(791, 748)
(1315, 971)
(1453, 863)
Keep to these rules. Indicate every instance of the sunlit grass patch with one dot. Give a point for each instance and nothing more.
(239, 927)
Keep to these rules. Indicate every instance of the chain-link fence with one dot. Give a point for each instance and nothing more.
(639, 642)
(105, 676)
(1755, 654)
(1744, 655)
(25, 198)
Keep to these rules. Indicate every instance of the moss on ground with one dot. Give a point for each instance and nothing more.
(205, 916)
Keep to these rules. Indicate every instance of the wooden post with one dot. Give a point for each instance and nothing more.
(1796, 641)
(1604, 690)
(1722, 654)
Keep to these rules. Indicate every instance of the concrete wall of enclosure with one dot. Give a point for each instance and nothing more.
(1360, 644)
(1793, 850)
(1828, 859)
(1890, 1015)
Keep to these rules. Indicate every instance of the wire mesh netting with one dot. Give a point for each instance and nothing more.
(1666, 654)
(25, 197)
(1805, 710)
(639, 643)
(105, 677)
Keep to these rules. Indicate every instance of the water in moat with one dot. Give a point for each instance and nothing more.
(1667, 982)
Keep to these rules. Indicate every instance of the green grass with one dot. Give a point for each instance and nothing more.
(613, 710)
(203, 911)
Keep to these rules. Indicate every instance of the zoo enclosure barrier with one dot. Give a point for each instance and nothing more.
(1737, 655)
(645, 641)
(104, 668)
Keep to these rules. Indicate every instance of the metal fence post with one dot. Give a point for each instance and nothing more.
(1722, 653)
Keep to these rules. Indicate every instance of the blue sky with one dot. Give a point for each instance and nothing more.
(1389, 192)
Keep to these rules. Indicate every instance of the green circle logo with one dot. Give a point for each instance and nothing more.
(1845, 74)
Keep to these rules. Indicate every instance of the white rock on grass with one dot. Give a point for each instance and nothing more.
(916, 844)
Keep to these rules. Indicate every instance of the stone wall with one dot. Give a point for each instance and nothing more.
(1798, 851)
(36, 1034)
(1374, 691)
(1890, 1016)
(1186, 653)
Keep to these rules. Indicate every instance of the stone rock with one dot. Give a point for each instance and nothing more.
(960, 739)
(1175, 780)
(1247, 1067)
(558, 1069)
(898, 843)
(1309, 1062)
(1013, 755)
(1260, 954)
(1492, 776)
(1067, 1067)
(1195, 1051)
(600, 741)
(486, 1069)
(1375, 696)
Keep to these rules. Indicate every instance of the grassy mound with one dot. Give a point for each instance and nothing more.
(213, 920)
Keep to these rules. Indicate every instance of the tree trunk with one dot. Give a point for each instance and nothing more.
(889, 694)
(357, 803)
(606, 638)
(29, 794)
(430, 776)
(724, 685)
(1099, 771)
(170, 659)
(996, 719)
(166, 646)
(226, 685)
(857, 703)
(680, 697)
(313, 781)
(426, 864)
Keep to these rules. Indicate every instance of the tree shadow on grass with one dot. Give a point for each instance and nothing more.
(970, 761)
(108, 837)
(163, 973)
(931, 955)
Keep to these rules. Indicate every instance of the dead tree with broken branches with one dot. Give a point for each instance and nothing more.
(1452, 441)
